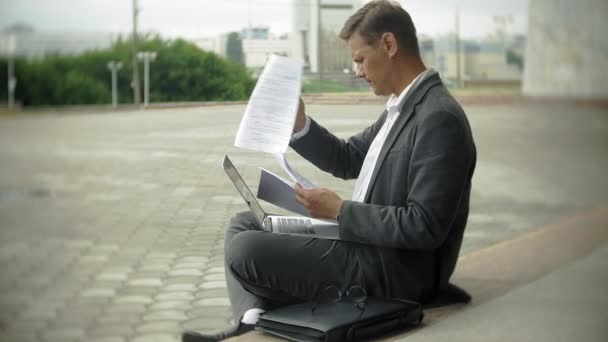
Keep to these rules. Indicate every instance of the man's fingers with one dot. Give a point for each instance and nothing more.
(301, 191)
(302, 195)
(298, 188)
(302, 200)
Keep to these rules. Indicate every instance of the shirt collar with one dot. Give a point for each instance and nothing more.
(394, 102)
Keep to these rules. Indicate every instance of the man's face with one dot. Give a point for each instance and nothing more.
(372, 64)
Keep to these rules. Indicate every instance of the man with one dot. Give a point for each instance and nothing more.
(403, 227)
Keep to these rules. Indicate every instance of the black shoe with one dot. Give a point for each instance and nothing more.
(240, 329)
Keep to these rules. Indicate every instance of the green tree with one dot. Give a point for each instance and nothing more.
(78, 88)
(181, 72)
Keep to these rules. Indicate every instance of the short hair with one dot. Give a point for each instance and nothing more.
(378, 17)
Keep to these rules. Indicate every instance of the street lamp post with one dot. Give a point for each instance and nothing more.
(319, 55)
(458, 48)
(135, 82)
(12, 83)
(9, 46)
(114, 67)
(147, 57)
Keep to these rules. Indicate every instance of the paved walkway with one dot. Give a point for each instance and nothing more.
(111, 223)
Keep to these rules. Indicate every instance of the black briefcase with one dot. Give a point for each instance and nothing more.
(340, 321)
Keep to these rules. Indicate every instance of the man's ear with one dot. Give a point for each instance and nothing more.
(389, 43)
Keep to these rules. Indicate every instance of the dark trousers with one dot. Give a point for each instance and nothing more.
(265, 270)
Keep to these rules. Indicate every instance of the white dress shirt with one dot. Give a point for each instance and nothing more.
(393, 106)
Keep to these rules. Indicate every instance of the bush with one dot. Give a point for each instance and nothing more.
(181, 72)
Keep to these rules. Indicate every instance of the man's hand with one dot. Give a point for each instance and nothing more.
(321, 203)
(300, 118)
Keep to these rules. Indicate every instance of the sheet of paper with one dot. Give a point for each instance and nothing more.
(267, 124)
(279, 192)
(295, 176)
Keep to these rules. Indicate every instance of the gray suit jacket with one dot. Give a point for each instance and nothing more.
(418, 197)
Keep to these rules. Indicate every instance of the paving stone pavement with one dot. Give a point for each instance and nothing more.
(111, 224)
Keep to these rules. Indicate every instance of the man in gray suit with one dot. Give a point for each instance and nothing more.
(403, 226)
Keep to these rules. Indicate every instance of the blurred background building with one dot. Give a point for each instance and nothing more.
(257, 44)
(497, 58)
(257, 51)
(215, 44)
(302, 42)
(24, 41)
(561, 53)
(482, 61)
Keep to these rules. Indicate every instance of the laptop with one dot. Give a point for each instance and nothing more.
(293, 225)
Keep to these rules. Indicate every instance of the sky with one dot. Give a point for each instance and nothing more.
(207, 18)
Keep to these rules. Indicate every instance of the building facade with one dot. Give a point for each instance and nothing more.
(217, 45)
(257, 44)
(480, 60)
(257, 51)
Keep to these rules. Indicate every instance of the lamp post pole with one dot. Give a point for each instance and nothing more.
(11, 79)
(459, 83)
(114, 67)
(319, 55)
(12, 83)
(135, 82)
(147, 57)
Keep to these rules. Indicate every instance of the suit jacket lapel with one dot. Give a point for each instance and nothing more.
(407, 111)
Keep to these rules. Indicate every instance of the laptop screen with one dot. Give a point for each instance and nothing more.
(240, 185)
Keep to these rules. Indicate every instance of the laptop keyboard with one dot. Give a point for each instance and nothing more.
(295, 225)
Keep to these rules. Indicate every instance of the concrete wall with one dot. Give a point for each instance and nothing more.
(217, 44)
(300, 33)
(567, 52)
(305, 34)
(257, 51)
